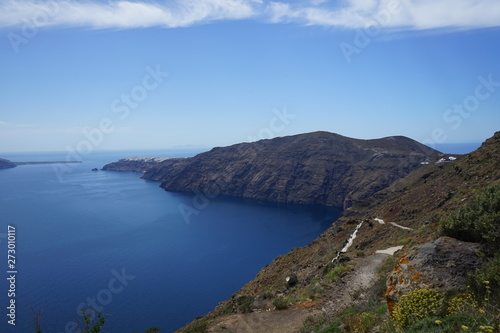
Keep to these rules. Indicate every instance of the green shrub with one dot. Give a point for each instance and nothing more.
(335, 273)
(280, 302)
(245, 303)
(459, 322)
(88, 318)
(309, 293)
(197, 326)
(267, 295)
(490, 272)
(477, 222)
(361, 323)
(320, 324)
(418, 304)
(360, 254)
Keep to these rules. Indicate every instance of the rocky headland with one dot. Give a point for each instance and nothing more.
(317, 168)
(6, 164)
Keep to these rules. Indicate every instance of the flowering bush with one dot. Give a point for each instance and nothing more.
(417, 305)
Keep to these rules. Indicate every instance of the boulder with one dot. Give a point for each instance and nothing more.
(291, 280)
(442, 264)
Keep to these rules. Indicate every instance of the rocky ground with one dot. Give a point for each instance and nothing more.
(360, 274)
(285, 321)
(410, 210)
(350, 288)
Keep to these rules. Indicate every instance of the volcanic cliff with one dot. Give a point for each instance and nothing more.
(317, 168)
(354, 292)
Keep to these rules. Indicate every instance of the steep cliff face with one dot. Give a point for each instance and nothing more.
(6, 164)
(407, 215)
(318, 168)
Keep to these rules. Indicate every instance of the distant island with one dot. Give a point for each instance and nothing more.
(318, 168)
(6, 164)
(138, 164)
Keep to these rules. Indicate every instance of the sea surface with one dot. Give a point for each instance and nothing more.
(120, 243)
(456, 148)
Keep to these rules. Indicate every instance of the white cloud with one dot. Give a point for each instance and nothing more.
(364, 5)
(394, 14)
(460, 14)
(123, 14)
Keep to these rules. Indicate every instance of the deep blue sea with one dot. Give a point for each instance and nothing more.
(456, 148)
(119, 243)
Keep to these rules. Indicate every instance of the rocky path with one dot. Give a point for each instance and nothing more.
(362, 276)
(284, 321)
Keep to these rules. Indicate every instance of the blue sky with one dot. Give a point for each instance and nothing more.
(96, 75)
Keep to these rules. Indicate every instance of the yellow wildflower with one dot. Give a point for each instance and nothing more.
(488, 329)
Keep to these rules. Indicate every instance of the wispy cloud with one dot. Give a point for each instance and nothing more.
(124, 14)
(393, 14)
(350, 14)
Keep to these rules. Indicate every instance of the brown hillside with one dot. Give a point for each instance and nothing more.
(317, 168)
(414, 203)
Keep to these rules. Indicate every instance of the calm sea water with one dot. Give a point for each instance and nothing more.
(457, 148)
(120, 242)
